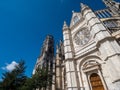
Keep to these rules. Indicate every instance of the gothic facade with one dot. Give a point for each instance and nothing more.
(89, 56)
(91, 50)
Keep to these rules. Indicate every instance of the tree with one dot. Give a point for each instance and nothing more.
(1, 85)
(28, 85)
(15, 79)
(38, 81)
(41, 78)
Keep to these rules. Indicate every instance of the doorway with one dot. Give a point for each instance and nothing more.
(96, 82)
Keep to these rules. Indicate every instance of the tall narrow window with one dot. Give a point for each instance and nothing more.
(76, 19)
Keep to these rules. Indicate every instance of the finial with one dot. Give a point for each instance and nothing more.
(65, 25)
(72, 11)
(57, 49)
(57, 46)
(64, 22)
(82, 5)
(60, 42)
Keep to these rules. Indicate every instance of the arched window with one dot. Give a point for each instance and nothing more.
(76, 19)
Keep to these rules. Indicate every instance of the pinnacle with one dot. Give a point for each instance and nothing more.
(83, 6)
(65, 25)
(72, 11)
(57, 48)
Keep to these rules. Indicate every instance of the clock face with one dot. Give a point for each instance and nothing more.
(82, 37)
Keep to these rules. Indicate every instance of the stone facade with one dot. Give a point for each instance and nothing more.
(91, 50)
(89, 57)
(46, 58)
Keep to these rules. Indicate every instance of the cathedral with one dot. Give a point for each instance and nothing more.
(88, 58)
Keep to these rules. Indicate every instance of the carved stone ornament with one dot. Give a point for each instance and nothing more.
(82, 37)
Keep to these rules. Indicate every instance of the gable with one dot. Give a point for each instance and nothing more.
(75, 18)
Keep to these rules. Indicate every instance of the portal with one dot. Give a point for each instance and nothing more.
(96, 82)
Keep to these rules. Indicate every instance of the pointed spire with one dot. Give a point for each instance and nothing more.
(83, 6)
(65, 26)
(61, 42)
(57, 49)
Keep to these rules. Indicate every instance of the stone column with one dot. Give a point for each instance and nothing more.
(53, 75)
(58, 70)
(69, 61)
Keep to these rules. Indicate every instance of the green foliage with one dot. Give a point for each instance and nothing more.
(1, 85)
(41, 78)
(28, 85)
(15, 79)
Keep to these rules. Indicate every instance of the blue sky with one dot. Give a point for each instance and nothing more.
(25, 23)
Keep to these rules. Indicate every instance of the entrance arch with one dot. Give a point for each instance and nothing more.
(96, 82)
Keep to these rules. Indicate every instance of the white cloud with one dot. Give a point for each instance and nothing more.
(11, 66)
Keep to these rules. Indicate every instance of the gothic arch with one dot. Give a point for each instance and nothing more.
(90, 58)
(89, 65)
(95, 81)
